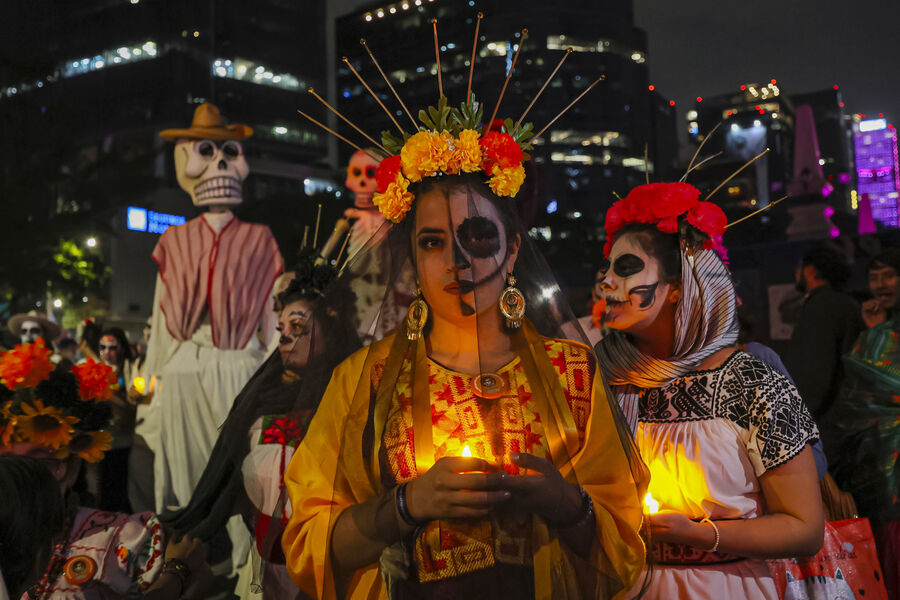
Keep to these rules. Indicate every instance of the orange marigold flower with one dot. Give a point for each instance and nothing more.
(506, 182)
(445, 148)
(396, 201)
(423, 155)
(468, 151)
(96, 380)
(26, 365)
(45, 425)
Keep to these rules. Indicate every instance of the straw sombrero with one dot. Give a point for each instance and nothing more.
(50, 328)
(208, 125)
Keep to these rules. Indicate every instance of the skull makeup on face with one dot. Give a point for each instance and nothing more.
(211, 172)
(462, 252)
(632, 285)
(30, 331)
(361, 178)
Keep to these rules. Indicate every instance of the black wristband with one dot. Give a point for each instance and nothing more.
(403, 509)
(180, 569)
(584, 515)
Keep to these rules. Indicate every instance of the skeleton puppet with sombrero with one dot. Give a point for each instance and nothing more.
(32, 325)
(213, 293)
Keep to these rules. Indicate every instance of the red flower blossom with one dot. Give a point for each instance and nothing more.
(499, 149)
(283, 430)
(495, 125)
(708, 218)
(387, 172)
(96, 381)
(26, 365)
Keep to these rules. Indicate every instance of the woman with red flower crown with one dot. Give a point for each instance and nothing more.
(725, 436)
(61, 418)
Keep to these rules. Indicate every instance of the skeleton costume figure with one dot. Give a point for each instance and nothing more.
(724, 435)
(212, 296)
(32, 325)
(472, 452)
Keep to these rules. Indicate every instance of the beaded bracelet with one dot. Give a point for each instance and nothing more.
(403, 508)
(582, 518)
(716, 529)
(179, 568)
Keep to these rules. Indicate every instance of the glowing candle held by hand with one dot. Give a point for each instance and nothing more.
(466, 452)
(652, 505)
(139, 385)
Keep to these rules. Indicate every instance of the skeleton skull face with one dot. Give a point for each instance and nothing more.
(361, 177)
(632, 285)
(211, 172)
(30, 331)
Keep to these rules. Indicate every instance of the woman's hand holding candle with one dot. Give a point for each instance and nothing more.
(456, 487)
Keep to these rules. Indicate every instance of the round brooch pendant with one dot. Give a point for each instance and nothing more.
(79, 569)
(489, 385)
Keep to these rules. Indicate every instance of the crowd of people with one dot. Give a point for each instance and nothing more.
(485, 444)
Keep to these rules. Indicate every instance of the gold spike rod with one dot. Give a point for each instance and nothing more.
(508, 75)
(546, 83)
(337, 261)
(571, 104)
(757, 211)
(305, 235)
(699, 148)
(701, 163)
(730, 177)
(316, 234)
(374, 95)
(345, 119)
(646, 164)
(331, 131)
(388, 81)
(437, 58)
(472, 61)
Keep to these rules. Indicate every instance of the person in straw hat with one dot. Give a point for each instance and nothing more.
(213, 293)
(32, 325)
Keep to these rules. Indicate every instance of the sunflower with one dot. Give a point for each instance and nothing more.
(98, 442)
(45, 426)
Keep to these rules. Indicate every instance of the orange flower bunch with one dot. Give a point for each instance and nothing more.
(26, 365)
(96, 380)
(431, 153)
(47, 405)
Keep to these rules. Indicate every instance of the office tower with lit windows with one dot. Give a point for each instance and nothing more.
(595, 149)
(878, 176)
(101, 78)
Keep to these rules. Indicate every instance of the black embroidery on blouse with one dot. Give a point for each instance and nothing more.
(747, 392)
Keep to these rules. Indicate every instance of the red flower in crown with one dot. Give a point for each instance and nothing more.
(663, 205)
(387, 172)
(96, 380)
(499, 149)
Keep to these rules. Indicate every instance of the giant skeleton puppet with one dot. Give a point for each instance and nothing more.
(213, 297)
(370, 269)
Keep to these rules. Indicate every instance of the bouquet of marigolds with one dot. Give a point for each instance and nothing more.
(66, 411)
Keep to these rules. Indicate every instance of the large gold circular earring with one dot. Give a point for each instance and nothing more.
(416, 317)
(512, 303)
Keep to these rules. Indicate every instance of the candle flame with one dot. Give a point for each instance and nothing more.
(466, 452)
(652, 505)
(140, 384)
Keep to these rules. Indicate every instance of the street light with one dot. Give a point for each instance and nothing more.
(57, 303)
(91, 242)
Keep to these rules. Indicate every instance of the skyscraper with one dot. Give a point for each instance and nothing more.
(878, 176)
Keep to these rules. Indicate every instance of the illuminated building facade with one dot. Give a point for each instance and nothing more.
(878, 176)
(99, 78)
(595, 149)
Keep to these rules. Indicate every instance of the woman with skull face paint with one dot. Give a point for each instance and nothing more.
(725, 436)
(472, 453)
(269, 418)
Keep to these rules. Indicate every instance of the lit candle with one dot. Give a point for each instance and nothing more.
(652, 505)
(139, 385)
(466, 452)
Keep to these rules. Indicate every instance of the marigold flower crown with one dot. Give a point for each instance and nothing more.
(45, 406)
(447, 140)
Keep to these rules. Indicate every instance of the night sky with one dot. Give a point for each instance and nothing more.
(709, 47)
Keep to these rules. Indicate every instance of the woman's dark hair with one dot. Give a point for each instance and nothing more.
(664, 247)
(125, 353)
(32, 514)
(90, 335)
(889, 257)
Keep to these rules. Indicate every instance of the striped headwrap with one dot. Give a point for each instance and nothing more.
(705, 322)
